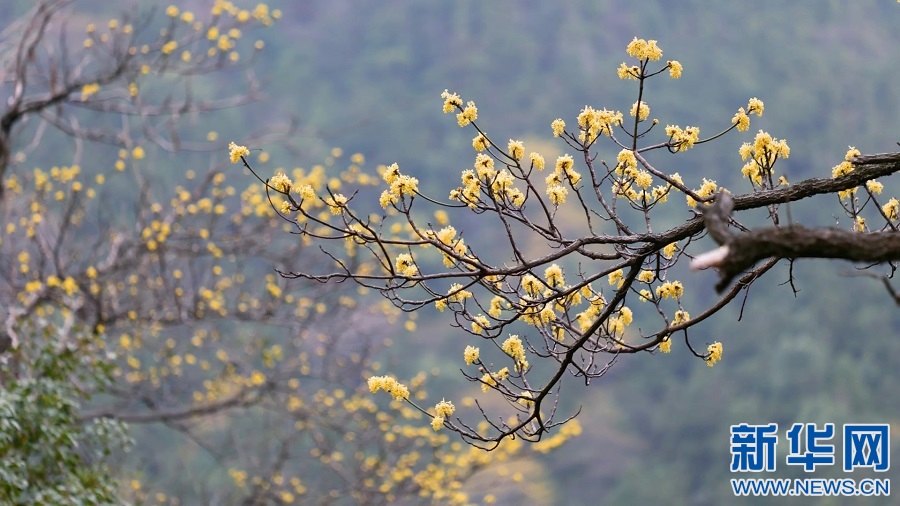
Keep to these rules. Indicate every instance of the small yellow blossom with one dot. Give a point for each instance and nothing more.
(235, 152)
(675, 69)
(742, 120)
(437, 422)
(616, 278)
(444, 408)
(280, 182)
(891, 209)
(644, 49)
(641, 110)
(756, 106)
(537, 160)
(558, 127)
(451, 101)
(468, 115)
(336, 203)
(557, 194)
(666, 345)
(405, 266)
(714, 353)
(874, 186)
(480, 142)
(516, 149)
(470, 355)
(632, 72)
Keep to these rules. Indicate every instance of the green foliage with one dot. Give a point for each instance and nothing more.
(48, 454)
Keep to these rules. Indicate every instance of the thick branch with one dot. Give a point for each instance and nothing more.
(738, 252)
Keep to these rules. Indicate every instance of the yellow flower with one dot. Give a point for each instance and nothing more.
(444, 408)
(336, 203)
(874, 186)
(558, 127)
(641, 110)
(537, 160)
(714, 353)
(480, 323)
(616, 278)
(675, 69)
(554, 275)
(405, 266)
(644, 49)
(743, 124)
(666, 346)
(557, 194)
(280, 182)
(516, 149)
(669, 250)
(891, 209)
(646, 276)
(437, 422)
(480, 142)
(137, 153)
(451, 101)
(626, 72)
(469, 114)
(755, 105)
(470, 355)
(168, 47)
(235, 152)
(89, 89)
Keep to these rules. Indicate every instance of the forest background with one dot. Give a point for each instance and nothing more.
(366, 78)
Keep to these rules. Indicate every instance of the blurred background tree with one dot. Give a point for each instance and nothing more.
(366, 77)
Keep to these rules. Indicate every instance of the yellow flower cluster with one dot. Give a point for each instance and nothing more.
(468, 115)
(593, 123)
(490, 379)
(666, 345)
(516, 149)
(554, 276)
(281, 183)
(891, 209)
(682, 140)
(451, 101)
(714, 353)
(628, 72)
(706, 189)
(641, 110)
(558, 126)
(447, 237)
(480, 142)
(844, 168)
(470, 355)
(644, 49)
(442, 410)
(398, 390)
(668, 289)
(235, 152)
(405, 266)
(89, 89)
(513, 347)
(675, 69)
(336, 203)
(479, 323)
(537, 160)
(400, 185)
(762, 155)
